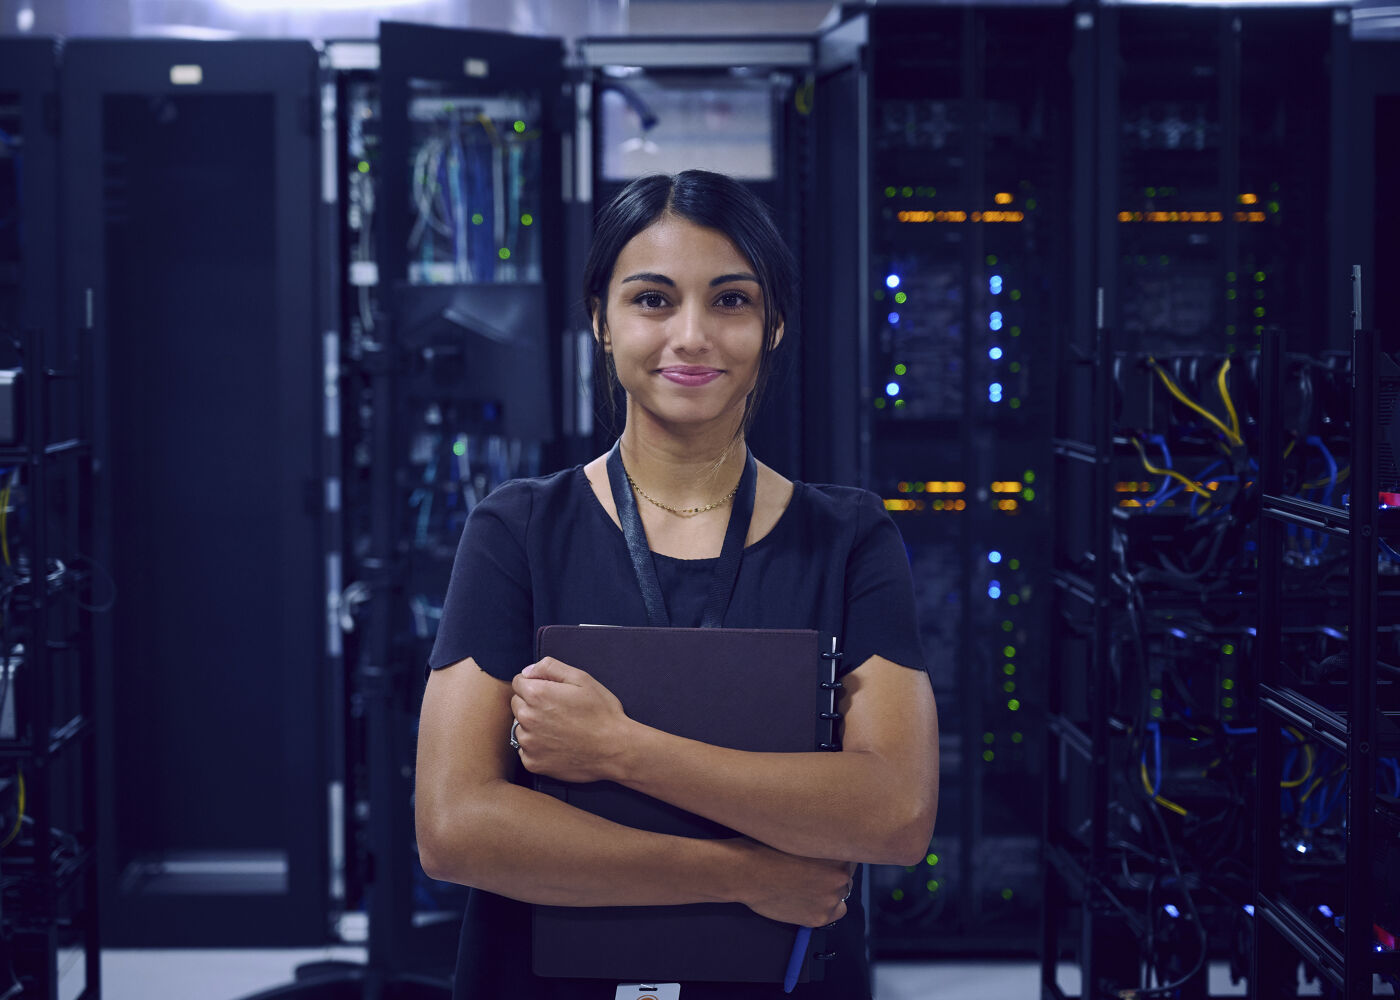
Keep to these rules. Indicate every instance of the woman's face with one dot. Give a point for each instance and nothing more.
(685, 325)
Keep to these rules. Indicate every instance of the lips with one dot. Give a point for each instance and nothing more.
(690, 375)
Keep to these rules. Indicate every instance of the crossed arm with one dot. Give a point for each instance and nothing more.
(874, 801)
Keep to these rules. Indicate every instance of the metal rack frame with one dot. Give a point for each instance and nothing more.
(1281, 929)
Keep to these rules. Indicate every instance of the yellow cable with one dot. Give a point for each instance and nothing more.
(19, 816)
(1311, 756)
(1229, 405)
(1164, 803)
(1289, 450)
(1176, 391)
(1190, 484)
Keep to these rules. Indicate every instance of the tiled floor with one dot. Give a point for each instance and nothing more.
(235, 974)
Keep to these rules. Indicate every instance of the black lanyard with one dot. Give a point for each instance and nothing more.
(726, 569)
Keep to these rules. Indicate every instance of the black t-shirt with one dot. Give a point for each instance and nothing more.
(545, 552)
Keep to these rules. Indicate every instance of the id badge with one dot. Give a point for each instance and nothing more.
(648, 991)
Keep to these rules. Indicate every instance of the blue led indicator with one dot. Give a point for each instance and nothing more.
(994, 556)
(994, 354)
(994, 284)
(892, 281)
(994, 388)
(892, 389)
(994, 589)
(994, 321)
(1172, 911)
(893, 318)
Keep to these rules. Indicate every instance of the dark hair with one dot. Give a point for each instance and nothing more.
(707, 199)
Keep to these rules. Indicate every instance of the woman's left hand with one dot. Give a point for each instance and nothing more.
(570, 726)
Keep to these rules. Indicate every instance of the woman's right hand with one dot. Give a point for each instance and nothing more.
(807, 891)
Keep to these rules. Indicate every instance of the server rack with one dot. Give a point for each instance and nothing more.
(662, 105)
(448, 149)
(942, 139)
(49, 583)
(189, 219)
(1201, 234)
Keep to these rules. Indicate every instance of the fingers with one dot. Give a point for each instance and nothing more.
(550, 669)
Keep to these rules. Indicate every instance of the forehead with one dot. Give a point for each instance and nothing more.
(679, 248)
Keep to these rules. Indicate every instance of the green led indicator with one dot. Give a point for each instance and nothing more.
(890, 192)
(1273, 207)
(900, 369)
(1015, 331)
(1228, 684)
(519, 126)
(1031, 204)
(1007, 626)
(1009, 669)
(1007, 894)
(1009, 687)
(1014, 564)
(1150, 192)
(459, 448)
(1157, 711)
(1028, 494)
(988, 755)
(933, 885)
(1014, 705)
(908, 192)
(1230, 294)
(1015, 295)
(1228, 702)
(1008, 651)
(527, 220)
(991, 258)
(1016, 405)
(1013, 600)
(364, 166)
(989, 737)
(1029, 476)
(932, 860)
(1258, 275)
(1018, 737)
(503, 253)
(1258, 312)
(1157, 694)
(1015, 367)
(899, 404)
(880, 403)
(900, 298)
(478, 218)
(897, 895)
(1228, 649)
(1230, 276)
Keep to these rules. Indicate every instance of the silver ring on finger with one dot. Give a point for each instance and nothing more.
(514, 743)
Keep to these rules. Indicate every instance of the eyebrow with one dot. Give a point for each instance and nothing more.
(661, 279)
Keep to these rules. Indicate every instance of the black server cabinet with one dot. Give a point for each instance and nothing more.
(737, 106)
(48, 909)
(943, 274)
(189, 218)
(449, 152)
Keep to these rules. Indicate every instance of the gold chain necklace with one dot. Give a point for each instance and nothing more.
(681, 510)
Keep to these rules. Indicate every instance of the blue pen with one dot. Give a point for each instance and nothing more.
(799, 954)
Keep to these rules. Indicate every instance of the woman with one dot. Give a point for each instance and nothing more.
(688, 285)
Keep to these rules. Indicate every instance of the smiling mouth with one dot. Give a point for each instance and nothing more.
(690, 375)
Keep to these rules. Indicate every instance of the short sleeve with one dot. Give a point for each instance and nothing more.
(488, 611)
(880, 615)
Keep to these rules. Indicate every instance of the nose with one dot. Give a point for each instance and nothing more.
(690, 333)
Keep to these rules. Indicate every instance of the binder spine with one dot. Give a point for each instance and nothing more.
(827, 716)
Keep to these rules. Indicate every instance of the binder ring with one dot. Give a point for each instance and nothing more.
(514, 725)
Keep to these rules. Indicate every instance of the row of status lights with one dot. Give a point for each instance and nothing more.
(1188, 216)
(1009, 494)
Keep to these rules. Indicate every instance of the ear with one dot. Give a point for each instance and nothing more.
(600, 336)
(778, 335)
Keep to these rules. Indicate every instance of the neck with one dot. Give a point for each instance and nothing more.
(685, 470)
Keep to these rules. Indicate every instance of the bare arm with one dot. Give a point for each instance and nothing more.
(875, 801)
(476, 827)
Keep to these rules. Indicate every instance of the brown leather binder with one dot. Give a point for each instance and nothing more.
(747, 689)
